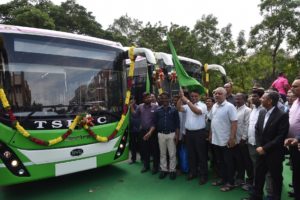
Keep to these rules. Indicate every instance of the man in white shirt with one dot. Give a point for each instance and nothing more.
(223, 136)
(242, 157)
(195, 134)
(256, 108)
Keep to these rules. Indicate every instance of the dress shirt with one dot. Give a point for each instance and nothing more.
(267, 116)
(222, 116)
(294, 119)
(230, 99)
(252, 121)
(194, 121)
(279, 84)
(147, 115)
(167, 119)
(243, 114)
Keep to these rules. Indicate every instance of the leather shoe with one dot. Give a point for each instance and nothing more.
(144, 170)
(162, 175)
(202, 181)
(154, 171)
(190, 177)
(173, 175)
(132, 162)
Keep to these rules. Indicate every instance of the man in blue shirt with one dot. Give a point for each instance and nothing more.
(167, 126)
(148, 138)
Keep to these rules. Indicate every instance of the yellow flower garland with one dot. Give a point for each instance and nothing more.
(22, 130)
(78, 118)
(4, 99)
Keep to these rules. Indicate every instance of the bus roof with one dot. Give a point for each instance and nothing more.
(43, 32)
(142, 52)
(167, 58)
(190, 60)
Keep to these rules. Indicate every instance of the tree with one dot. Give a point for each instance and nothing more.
(78, 20)
(22, 12)
(125, 27)
(184, 41)
(280, 19)
(32, 17)
(207, 34)
(69, 17)
(152, 37)
(6, 15)
(226, 45)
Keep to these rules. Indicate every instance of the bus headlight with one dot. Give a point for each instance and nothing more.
(14, 163)
(7, 154)
(21, 171)
(122, 145)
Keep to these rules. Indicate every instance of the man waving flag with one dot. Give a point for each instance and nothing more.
(183, 78)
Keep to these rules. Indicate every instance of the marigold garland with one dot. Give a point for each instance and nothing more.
(158, 76)
(172, 76)
(78, 119)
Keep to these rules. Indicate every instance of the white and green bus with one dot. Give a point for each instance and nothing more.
(193, 68)
(63, 103)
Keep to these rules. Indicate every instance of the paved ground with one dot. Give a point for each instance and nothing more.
(122, 182)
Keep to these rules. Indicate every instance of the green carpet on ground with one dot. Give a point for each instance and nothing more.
(122, 182)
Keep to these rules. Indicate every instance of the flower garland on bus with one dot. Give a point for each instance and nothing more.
(85, 120)
(172, 76)
(158, 76)
(125, 107)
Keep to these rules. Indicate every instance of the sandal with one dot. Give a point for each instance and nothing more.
(217, 183)
(226, 188)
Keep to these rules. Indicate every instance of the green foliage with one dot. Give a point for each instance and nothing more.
(126, 29)
(280, 23)
(69, 17)
(184, 41)
(207, 34)
(32, 17)
(273, 46)
(152, 37)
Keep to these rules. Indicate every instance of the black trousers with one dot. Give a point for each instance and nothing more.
(295, 161)
(149, 148)
(213, 159)
(243, 163)
(225, 163)
(133, 144)
(272, 164)
(197, 152)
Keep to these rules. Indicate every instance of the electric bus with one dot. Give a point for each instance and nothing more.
(63, 102)
(169, 83)
(193, 68)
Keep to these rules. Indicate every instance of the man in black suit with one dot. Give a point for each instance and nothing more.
(270, 131)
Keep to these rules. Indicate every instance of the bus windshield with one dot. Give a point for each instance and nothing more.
(46, 77)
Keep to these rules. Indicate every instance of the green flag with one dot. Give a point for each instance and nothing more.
(183, 78)
(148, 83)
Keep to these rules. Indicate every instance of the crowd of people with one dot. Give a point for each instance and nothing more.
(244, 137)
